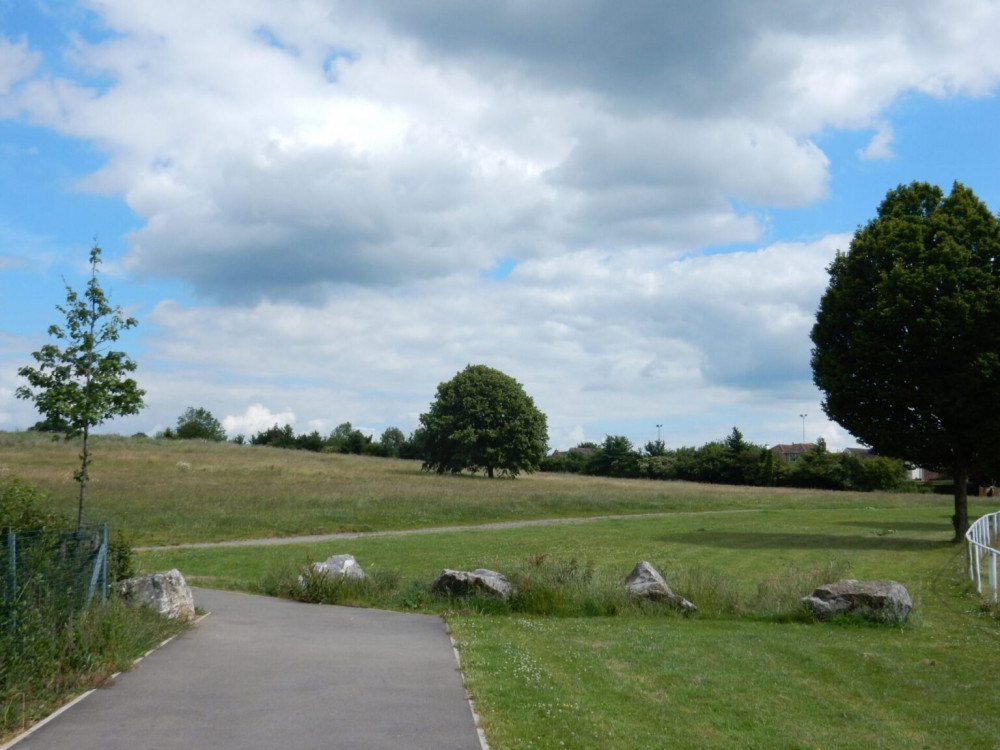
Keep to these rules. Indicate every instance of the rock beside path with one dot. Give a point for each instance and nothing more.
(884, 600)
(463, 583)
(338, 567)
(166, 592)
(645, 582)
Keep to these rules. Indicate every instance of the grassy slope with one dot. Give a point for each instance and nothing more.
(718, 679)
(163, 492)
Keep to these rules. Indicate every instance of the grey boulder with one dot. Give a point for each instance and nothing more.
(883, 600)
(166, 592)
(645, 582)
(338, 567)
(463, 583)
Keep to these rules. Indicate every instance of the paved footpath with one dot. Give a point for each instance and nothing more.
(269, 673)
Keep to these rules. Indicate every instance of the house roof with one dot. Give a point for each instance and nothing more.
(791, 449)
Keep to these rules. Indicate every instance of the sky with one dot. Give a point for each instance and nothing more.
(319, 210)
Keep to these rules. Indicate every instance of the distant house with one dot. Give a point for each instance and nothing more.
(580, 450)
(859, 452)
(791, 452)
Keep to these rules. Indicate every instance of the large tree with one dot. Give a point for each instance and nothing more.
(199, 424)
(84, 382)
(482, 420)
(907, 337)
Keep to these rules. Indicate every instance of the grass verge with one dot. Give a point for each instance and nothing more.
(45, 663)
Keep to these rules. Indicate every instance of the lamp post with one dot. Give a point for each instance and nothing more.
(803, 418)
(658, 432)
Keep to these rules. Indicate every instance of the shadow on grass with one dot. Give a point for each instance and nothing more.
(943, 526)
(757, 540)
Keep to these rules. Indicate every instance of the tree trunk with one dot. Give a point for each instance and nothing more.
(961, 518)
(84, 460)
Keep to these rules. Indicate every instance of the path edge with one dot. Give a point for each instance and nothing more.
(83, 696)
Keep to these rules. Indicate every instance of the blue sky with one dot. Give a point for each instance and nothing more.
(319, 210)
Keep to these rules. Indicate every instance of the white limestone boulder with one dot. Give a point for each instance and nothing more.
(165, 592)
(338, 567)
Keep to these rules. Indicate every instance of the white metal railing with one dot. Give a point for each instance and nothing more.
(983, 537)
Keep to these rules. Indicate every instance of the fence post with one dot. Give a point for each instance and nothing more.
(104, 567)
(993, 575)
(12, 577)
(100, 573)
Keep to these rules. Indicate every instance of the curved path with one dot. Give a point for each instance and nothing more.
(269, 673)
(269, 541)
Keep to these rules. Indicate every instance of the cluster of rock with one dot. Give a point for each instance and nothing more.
(885, 600)
(166, 593)
(644, 582)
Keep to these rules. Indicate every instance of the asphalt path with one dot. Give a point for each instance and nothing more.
(270, 673)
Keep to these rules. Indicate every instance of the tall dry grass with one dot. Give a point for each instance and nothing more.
(169, 492)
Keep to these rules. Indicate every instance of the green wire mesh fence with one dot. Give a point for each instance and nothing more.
(55, 572)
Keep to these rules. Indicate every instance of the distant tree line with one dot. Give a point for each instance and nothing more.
(480, 421)
(200, 424)
(344, 438)
(731, 461)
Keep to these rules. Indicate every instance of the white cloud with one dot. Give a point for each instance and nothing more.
(590, 336)
(17, 62)
(332, 179)
(278, 150)
(256, 418)
(880, 146)
(11, 262)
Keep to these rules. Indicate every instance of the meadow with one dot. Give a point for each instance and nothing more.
(171, 492)
(748, 670)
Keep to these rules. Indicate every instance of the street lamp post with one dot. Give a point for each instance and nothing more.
(658, 432)
(803, 418)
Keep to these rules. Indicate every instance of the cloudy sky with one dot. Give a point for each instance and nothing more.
(321, 209)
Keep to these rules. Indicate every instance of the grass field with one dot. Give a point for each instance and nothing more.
(169, 492)
(740, 673)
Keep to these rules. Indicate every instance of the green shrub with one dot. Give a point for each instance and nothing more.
(120, 563)
(20, 511)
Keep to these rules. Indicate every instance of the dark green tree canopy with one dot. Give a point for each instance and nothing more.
(615, 458)
(482, 420)
(907, 337)
(199, 424)
(391, 442)
(84, 382)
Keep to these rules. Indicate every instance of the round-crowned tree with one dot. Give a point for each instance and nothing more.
(907, 340)
(482, 420)
(199, 424)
